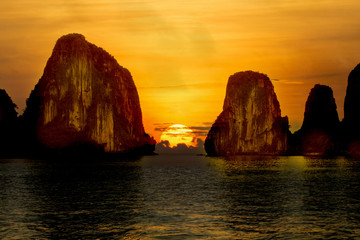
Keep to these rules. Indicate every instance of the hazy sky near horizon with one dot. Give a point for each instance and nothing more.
(181, 53)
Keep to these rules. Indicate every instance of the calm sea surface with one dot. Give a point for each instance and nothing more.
(181, 197)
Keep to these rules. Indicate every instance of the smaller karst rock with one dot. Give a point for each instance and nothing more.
(8, 124)
(251, 121)
(351, 122)
(320, 129)
(84, 100)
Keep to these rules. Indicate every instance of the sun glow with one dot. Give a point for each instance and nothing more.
(179, 133)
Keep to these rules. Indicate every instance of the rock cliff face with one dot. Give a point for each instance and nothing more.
(251, 121)
(320, 129)
(8, 120)
(352, 99)
(351, 122)
(85, 97)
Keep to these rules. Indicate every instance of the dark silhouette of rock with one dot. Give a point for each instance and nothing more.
(85, 100)
(351, 121)
(251, 121)
(352, 98)
(320, 129)
(8, 121)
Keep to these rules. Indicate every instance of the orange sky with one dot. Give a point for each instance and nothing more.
(181, 53)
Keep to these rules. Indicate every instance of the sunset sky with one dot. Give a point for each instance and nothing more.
(181, 53)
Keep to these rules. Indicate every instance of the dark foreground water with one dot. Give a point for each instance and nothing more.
(181, 197)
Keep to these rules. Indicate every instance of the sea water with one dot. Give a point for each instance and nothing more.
(180, 197)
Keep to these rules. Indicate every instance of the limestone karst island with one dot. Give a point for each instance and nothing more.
(251, 121)
(85, 101)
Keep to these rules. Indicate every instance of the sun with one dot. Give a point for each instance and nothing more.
(178, 133)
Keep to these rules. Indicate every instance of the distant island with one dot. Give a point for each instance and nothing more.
(87, 104)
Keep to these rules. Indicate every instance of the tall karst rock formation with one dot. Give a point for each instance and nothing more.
(320, 129)
(85, 97)
(351, 122)
(251, 121)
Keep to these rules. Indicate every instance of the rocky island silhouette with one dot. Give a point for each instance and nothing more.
(319, 133)
(86, 103)
(251, 121)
